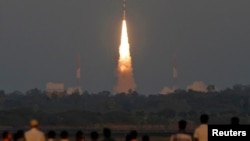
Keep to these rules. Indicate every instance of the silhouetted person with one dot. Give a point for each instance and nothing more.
(51, 135)
(107, 135)
(200, 133)
(181, 135)
(133, 135)
(128, 137)
(64, 135)
(94, 136)
(20, 135)
(145, 138)
(14, 137)
(34, 134)
(79, 136)
(235, 121)
(6, 136)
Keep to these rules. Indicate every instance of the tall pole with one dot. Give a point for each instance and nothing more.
(78, 72)
(174, 72)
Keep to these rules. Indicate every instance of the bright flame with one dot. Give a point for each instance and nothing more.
(125, 76)
(124, 47)
(125, 59)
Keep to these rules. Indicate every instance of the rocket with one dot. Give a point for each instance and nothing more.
(124, 9)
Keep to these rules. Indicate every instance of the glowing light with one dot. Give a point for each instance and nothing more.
(125, 75)
(124, 47)
(125, 58)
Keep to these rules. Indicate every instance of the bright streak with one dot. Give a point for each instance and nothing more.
(125, 58)
(126, 80)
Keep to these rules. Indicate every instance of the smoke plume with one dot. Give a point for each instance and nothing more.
(167, 90)
(198, 86)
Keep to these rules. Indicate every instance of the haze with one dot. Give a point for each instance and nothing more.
(39, 41)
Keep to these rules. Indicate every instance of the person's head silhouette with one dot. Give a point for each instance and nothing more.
(235, 121)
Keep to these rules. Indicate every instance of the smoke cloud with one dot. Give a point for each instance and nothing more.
(125, 82)
(198, 86)
(167, 90)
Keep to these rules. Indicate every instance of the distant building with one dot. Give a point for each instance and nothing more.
(54, 88)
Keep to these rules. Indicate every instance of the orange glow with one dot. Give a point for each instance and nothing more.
(125, 59)
(125, 75)
(124, 47)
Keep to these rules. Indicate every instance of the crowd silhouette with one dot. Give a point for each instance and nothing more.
(35, 134)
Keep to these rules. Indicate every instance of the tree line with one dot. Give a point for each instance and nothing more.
(132, 108)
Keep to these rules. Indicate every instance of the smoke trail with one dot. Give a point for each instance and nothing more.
(124, 70)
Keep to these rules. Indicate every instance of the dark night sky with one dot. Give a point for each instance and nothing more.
(39, 41)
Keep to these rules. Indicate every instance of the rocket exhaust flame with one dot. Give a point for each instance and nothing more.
(124, 71)
(125, 58)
